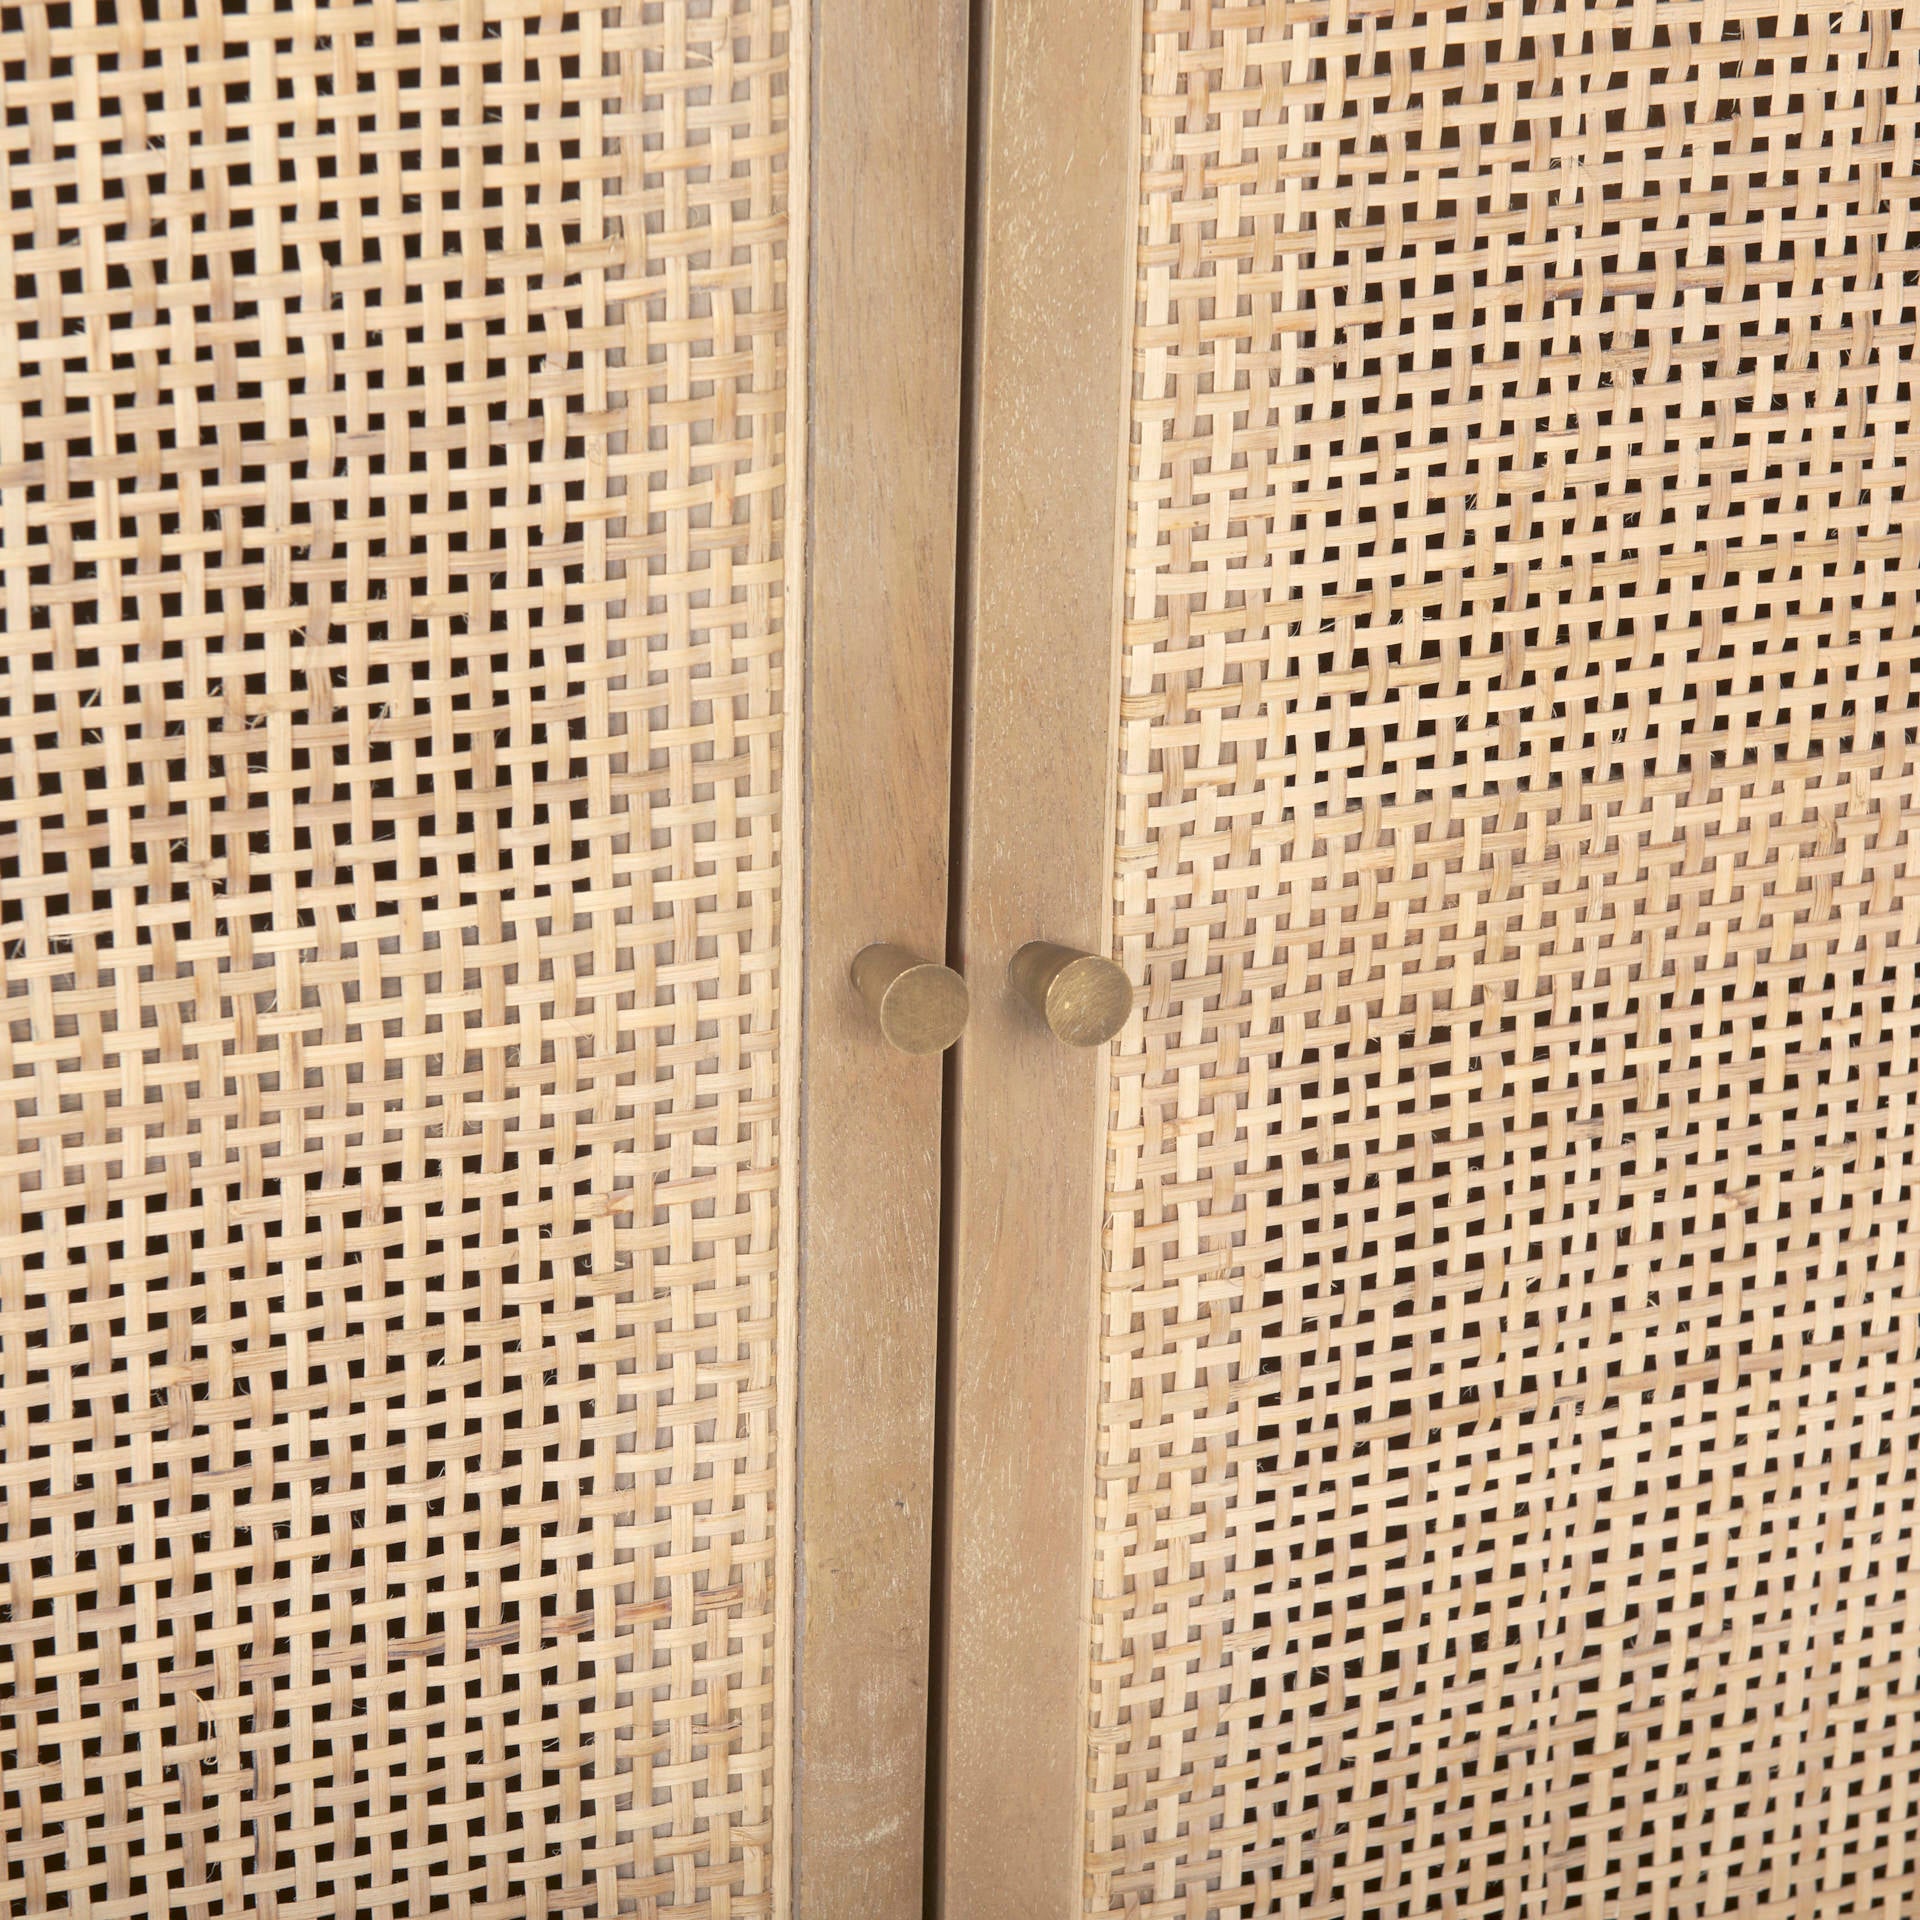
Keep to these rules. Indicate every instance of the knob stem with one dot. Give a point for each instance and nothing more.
(1084, 999)
(921, 1006)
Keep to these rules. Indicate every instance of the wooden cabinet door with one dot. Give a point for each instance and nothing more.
(411, 426)
(888, 231)
(1433, 1419)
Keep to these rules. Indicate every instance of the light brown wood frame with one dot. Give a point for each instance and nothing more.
(886, 237)
(1051, 322)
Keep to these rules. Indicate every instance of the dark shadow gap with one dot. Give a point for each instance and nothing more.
(979, 29)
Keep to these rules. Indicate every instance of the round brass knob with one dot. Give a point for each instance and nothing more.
(921, 1006)
(1084, 999)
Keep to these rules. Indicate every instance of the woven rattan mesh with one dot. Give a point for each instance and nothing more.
(1507, 1435)
(390, 523)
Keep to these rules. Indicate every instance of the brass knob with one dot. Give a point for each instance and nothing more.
(1083, 998)
(920, 1005)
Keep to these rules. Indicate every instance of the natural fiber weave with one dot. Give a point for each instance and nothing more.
(391, 403)
(1507, 1440)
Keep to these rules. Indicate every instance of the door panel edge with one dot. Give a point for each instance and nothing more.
(1049, 382)
(885, 286)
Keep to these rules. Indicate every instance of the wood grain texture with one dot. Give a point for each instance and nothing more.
(887, 245)
(1050, 331)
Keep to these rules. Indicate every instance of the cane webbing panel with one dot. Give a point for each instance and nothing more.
(391, 509)
(1507, 1436)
